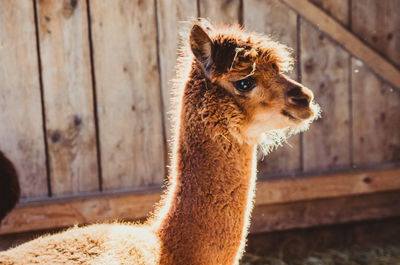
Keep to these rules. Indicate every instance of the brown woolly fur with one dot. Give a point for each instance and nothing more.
(230, 95)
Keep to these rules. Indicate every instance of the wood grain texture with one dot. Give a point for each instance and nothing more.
(378, 24)
(21, 130)
(128, 93)
(68, 96)
(271, 218)
(273, 194)
(276, 19)
(171, 16)
(376, 122)
(346, 39)
(79, 212)
(327, 186)
(375, 104)
(338, 9)
(220, 12)
(302, 214)
(325, 70)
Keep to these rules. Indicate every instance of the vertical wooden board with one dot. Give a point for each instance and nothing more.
(68, 96)
(378, 23)
(273, 18)
(171, 14)
(128, 93)
(21, 130)
(221, 11)
(376, 123)
(276, 19)
(338, 9)
(325, 69)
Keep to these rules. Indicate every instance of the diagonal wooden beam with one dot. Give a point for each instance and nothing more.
(346, 39)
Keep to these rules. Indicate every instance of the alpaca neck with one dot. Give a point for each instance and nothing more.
(210, 196)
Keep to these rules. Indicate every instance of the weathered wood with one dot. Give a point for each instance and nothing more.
(78, 212)
(220, 12)
(128, 93)
(375, 104)
(377, 23)
(21, 130)
(275, 19)
(328, 186)
(267, 218)
(171, 14)
(351, 43)
(279, 21)
(338, 9)
(68, 96)
(376, 122)
(106, 207)
(325, 70)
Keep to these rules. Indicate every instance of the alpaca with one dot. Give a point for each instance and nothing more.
(231, 95)
(9, 186)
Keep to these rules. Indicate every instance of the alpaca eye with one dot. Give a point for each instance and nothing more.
(245, 85)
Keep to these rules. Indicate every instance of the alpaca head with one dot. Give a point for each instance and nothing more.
(256, 100)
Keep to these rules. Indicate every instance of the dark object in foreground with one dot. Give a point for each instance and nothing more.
(9, 186)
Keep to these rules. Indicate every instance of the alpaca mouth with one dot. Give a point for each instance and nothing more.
(298, 116)
(290, 116)
(310, 113)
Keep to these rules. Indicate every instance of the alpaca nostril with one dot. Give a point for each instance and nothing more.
(303, 101)
(296, 96)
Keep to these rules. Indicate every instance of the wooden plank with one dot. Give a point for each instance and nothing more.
(328, 186)
(268, 218)
(106, 207)
(351, 233)
(171, 14)
(68, 96)
(325, 70)
(78, 212)
(346, 39)
(279, 21)
(377, 23)
(376, 122)
(375, 103)
(128, 93)
(220, 12)
(275, 19)
(21, 130)
(338, 9)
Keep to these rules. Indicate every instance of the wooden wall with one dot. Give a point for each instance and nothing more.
(86, 88)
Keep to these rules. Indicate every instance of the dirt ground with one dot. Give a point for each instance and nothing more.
(364, 243)
(385, 254)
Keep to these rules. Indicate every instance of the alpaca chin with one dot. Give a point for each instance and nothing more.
(272, 139)
(305, 124)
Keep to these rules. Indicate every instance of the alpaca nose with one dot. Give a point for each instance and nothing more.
(299, 96)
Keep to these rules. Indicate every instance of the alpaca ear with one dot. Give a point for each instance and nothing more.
(201, 46)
